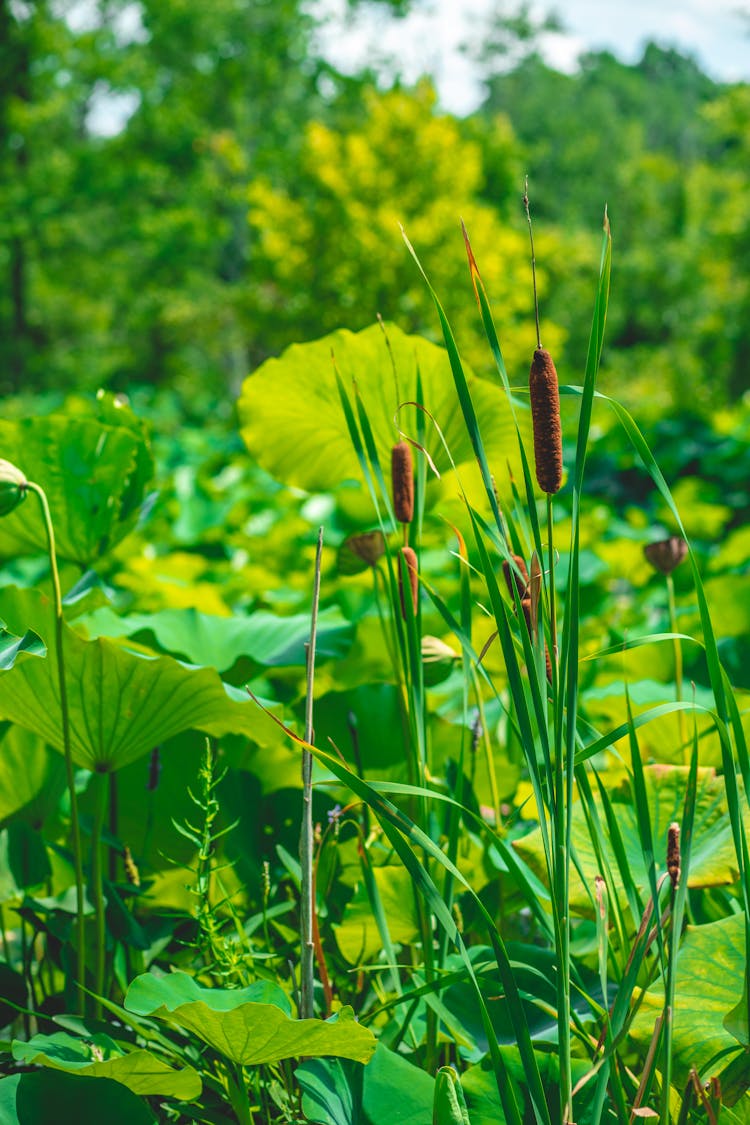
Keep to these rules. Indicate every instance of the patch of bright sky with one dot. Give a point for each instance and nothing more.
(428, 40)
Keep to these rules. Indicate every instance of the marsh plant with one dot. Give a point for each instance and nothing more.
(518, 890)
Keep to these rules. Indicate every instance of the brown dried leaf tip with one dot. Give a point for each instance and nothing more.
(545, 414)
(410, 562)
(673, 853)
(667, 554)
(402, 482)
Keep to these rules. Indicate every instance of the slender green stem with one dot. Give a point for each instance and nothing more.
(114, 827)
(237, 1090)
(307, 888)
(677, 662)
(489, 757)
(551, 587)
(65, 719)
(100, 797)
(4, 937)
(562, 818)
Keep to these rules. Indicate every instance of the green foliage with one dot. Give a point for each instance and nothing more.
(101, 1057)
(250, 1026)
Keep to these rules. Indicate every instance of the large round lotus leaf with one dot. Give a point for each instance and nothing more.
(94, 474)
(101, 1057)
(262, 639)
(293, 422)
(711, 972)
(32, 777)
(357, 934)
(120, 703)
(249, 1026)
(68, 1099)
(712, 861)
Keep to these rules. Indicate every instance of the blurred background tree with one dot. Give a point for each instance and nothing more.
(186, 188)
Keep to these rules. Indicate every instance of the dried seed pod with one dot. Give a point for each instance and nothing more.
(517, 575)
(545, 413)
(13, 486)
(667, 554)
(673, 853)
(402, 482)
(359, 551)
(410, 562)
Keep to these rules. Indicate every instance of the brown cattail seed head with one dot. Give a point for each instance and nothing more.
(673, 853)
(410, 563)
(518, 575)
(667, 554)
(402, 482)
(545, 413)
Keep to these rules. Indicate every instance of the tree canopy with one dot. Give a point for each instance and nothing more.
(186, 189)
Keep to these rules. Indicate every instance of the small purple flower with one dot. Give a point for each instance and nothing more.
(334, 815)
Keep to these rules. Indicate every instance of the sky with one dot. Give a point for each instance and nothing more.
(428, 40)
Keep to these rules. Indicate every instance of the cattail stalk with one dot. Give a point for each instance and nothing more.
(674, 861)
(517, 576)
(545, 415)
(408, 560)
(402, 482)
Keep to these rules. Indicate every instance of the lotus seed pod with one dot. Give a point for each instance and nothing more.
(402, 480)
(545, 415)
(667, 554)
(13, 486)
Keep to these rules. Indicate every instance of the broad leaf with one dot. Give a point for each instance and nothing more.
(357, 934)
(32, 777)
(331, 1091)
(712, 861)
(710, 982)
(121, 704)
(67, 1099)
(262, 639)
(94, 474)
(249, 1026)
(395, 1090)
(101, 1057)
(292, 419)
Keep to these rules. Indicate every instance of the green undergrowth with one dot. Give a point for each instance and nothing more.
(502, 933)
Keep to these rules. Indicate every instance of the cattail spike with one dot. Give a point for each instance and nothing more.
(673, 854)
(410, 562)
(402, 481)
(517, 575)
(545, 413)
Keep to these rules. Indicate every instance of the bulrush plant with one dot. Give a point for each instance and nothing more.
(536, 619)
